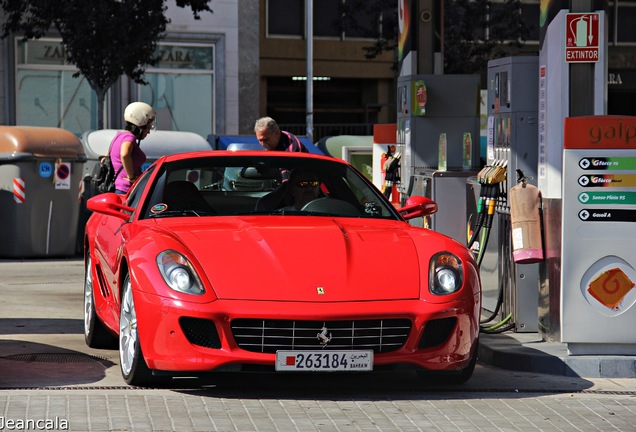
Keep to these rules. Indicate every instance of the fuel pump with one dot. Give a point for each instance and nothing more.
(510, 289)
(492, 189)
(391, 168)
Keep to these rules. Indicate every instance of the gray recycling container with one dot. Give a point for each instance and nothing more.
(158, 143)
(40, 175)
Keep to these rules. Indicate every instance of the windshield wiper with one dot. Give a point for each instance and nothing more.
(174, 213)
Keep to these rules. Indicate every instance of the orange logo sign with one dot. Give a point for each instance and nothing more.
(610, 287)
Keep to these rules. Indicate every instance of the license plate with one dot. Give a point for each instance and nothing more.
(324, 361)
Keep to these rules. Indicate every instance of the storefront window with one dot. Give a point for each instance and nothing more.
(46, 92)
(181, 88)
(182, 102)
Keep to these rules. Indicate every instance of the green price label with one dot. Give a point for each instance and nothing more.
(607, 198)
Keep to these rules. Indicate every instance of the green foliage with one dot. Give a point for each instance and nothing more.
(358, 14)
(475, 31)
(197, 6)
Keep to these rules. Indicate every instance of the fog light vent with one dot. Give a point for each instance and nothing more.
(436, 332)
(200, 332)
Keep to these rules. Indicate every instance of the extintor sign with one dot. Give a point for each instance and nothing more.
(582, 37)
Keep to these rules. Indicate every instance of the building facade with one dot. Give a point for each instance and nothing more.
(350, 92)
(194, 87)
(248, 59)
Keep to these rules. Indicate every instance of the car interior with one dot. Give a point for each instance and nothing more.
(243, 186)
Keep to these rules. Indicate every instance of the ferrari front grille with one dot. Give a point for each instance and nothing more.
(268, 336)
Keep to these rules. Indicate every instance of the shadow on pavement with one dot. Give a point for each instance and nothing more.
(14, 326)
(376, 385)
(25, 364)
(372, 387)
(507, 352)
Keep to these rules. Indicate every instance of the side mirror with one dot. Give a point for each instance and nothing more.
(110, 204)
(417, 206)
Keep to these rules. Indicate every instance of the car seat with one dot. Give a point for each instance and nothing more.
(183, 195)
(275, 199)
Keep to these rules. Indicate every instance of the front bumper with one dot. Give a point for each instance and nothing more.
(167, 348)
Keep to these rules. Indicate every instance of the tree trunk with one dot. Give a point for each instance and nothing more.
(101, 96)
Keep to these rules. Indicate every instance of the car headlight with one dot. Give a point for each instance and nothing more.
(445, 275)
(178, 273)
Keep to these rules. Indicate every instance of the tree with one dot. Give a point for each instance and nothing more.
(104, 39)
(480, 30)
(475, 31)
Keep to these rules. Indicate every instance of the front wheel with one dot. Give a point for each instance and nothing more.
(452, 377)
(133, 366)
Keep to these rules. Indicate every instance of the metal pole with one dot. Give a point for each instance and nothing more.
(309, 7)
(581, 74)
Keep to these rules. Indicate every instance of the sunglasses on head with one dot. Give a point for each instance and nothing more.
(307, 183)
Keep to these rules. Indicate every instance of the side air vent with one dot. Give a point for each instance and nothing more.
(200, 332)
(437, 332)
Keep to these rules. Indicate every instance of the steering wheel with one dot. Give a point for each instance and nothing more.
(331, 206)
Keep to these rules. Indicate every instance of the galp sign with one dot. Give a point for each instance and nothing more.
(600, 132)
(582, 37)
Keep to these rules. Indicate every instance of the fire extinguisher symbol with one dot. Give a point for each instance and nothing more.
(582, 31)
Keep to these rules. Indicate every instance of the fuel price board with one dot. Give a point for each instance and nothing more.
(598, 256)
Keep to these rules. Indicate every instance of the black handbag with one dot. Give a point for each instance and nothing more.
(104, 175)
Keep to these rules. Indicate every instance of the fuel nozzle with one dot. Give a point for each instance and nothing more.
(490, 178)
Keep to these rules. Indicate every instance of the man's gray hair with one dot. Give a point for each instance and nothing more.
(266, 123)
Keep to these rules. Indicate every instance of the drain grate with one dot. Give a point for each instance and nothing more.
(55, 358)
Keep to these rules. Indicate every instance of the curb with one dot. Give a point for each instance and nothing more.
(528, 353)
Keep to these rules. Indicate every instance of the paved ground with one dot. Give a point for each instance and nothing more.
(50, 380)
(209, 410)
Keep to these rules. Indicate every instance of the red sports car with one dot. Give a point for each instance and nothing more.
(270, 260)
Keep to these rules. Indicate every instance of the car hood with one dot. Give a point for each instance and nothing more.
(289, 258)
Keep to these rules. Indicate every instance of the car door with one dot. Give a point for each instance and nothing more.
(109, 244)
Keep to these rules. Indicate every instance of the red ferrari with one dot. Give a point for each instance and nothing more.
(273, 261)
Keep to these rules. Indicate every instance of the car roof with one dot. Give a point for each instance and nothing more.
(251, 153)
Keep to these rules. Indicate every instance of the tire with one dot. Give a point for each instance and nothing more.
(131, 360)
(452, 377)
(96, 334)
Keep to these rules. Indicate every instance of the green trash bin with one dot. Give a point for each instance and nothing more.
(40, 176)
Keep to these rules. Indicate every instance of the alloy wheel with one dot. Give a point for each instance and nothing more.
(88, 300)
(127, 330)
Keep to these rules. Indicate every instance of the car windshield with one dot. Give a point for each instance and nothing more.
(257, 185)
